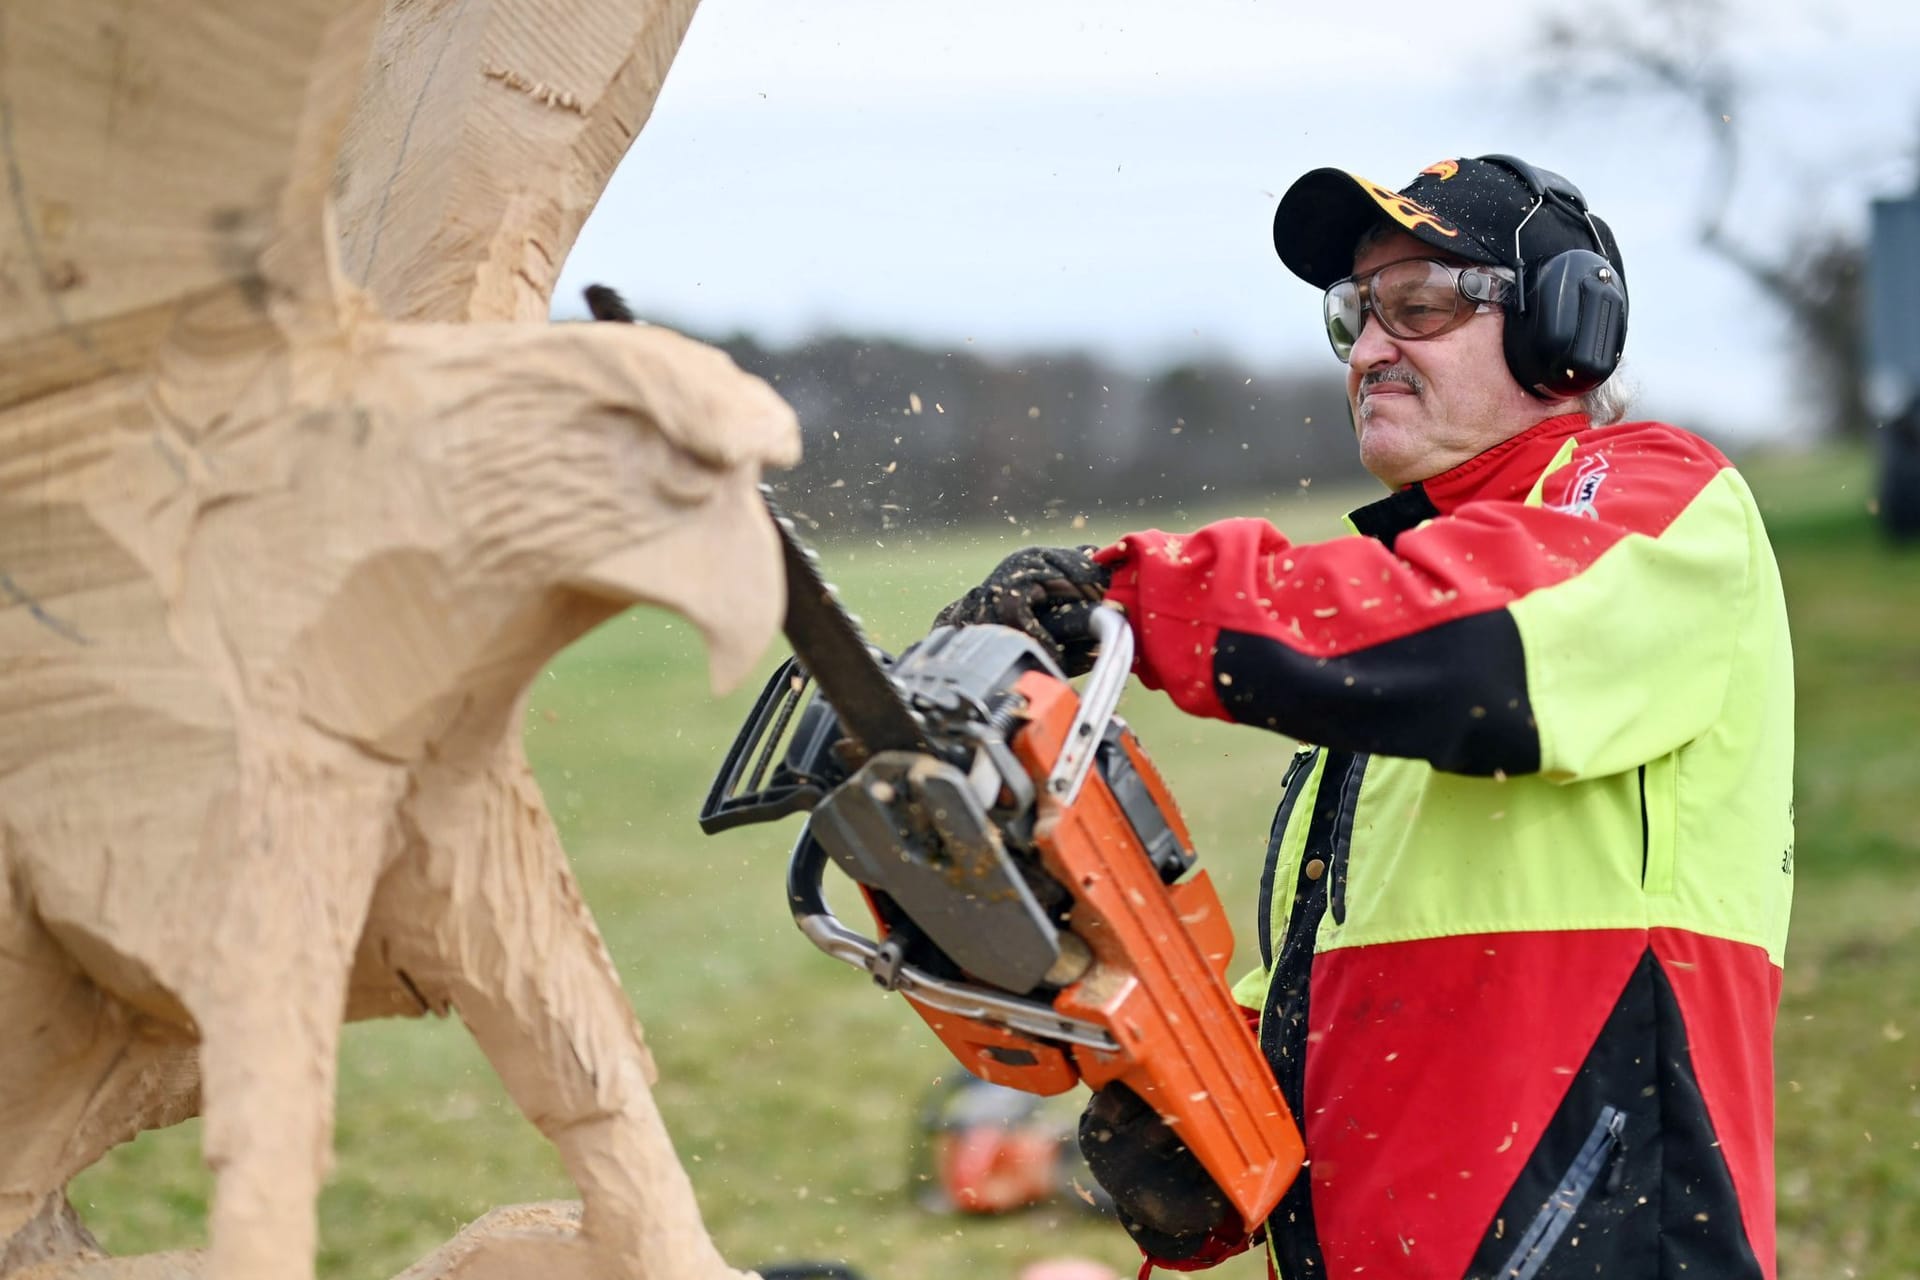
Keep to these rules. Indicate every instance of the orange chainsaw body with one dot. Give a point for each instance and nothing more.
(1157, 983)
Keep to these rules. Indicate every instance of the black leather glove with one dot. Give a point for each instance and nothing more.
(1167, 1202)
(1047, 592)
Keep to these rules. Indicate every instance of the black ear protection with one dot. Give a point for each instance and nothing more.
(1569, 322)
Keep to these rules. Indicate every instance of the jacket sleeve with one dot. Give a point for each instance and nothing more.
(1579, 636)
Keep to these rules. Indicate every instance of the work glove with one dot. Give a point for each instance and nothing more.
(1167, 1202)
(1047, 592)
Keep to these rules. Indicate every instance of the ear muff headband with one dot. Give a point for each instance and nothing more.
(1568, 323)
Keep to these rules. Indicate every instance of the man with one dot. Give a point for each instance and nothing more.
(1525, 901)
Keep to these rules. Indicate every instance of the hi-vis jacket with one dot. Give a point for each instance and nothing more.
(1526, 897)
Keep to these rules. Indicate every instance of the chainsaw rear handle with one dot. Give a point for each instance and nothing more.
(885, 962)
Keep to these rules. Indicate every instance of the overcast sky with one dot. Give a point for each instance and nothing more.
(1103, 174)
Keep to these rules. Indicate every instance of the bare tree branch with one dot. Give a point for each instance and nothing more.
(1675, 49)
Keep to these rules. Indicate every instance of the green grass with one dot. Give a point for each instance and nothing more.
(790, 1084)
(1849, 1038)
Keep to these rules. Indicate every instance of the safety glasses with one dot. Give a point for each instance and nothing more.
(1414, 298)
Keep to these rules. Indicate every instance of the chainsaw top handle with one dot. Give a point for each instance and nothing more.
(1098, 701)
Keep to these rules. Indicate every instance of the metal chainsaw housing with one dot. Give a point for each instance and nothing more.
(932, 834)
(914, 828)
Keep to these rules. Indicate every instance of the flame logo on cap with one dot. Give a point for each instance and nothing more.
(1410, 214)
(1443, 169)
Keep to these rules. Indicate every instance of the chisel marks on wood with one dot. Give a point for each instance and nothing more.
(545, 94)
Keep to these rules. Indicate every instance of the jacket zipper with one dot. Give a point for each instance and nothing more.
(1284, 1025)
(1340, 838)
(1600, 1154)
(1646, 844)
(1291, 784)
(1657, 825)
(1291, 1235)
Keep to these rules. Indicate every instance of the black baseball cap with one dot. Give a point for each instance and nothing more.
(1469, 208)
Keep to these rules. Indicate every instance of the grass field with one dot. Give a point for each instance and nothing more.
(790, 1084)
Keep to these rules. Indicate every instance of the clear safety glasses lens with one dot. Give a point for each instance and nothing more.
(1345, 314)
(1413, 299)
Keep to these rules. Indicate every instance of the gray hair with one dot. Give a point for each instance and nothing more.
(1607, 403)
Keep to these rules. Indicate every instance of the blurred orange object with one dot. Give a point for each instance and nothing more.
(994, 1170)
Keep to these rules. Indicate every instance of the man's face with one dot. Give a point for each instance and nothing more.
(1421, 407)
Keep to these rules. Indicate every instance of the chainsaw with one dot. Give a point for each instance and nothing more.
(1025, 866)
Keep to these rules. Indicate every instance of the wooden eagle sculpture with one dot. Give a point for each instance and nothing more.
(298, 493)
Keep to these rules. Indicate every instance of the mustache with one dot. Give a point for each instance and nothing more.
(1375, 377)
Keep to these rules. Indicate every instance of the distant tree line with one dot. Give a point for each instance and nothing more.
(898, 435)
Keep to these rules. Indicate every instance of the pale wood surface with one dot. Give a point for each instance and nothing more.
(482, 139)
(279, 557)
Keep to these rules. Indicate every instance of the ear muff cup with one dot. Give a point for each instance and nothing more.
(1568, 338)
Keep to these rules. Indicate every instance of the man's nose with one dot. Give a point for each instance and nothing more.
(1374, 348)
